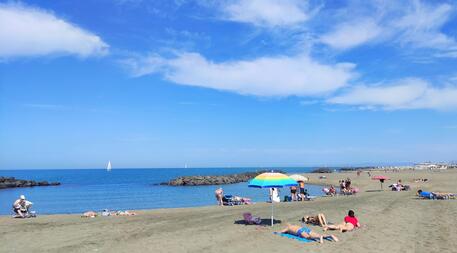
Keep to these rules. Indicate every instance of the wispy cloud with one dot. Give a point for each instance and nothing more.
(414, 23)
(267, 13)
(352, 34)
(420, 26)
(27, 31)
(267, 76)
(409, 93)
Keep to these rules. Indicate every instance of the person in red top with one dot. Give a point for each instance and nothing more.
(350, 222)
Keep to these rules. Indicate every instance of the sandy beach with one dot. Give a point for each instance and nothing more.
(391, 222)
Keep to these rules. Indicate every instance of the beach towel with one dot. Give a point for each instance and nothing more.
(301, 239)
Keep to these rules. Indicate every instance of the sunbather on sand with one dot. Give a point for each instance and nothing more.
(435, 195)
(306, 232)
(124, 213)
(350, 222)
(89, 214)
(318, 220)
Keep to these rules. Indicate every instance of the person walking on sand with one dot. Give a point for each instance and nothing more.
(219, 193)
(350, 222)
(306, 232)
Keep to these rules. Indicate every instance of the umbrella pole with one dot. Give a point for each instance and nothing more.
(272, 212)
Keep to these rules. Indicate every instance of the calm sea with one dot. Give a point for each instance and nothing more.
(125, 189)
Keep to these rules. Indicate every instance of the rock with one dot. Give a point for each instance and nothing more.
(322, 170)
(213, 180)
(11, 182)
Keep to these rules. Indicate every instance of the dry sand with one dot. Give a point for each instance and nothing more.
(392, 222)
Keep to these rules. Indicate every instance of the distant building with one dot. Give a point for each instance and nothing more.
(431, 166)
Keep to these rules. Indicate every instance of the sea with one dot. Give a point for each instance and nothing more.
(127, 189)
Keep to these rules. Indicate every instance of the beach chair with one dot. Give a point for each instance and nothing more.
(251, 220)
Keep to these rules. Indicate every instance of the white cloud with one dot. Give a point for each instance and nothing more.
(266, 76)
(420, 26)
(26, 31)
(415, 24)
(409, 93)
(267, 12)
(352, 34)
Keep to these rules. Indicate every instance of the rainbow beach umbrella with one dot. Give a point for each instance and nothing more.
(272, 180)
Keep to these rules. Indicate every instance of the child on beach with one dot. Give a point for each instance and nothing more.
(306, 232)
(350, 222)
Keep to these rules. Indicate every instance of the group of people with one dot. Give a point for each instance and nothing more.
(21, 208)
(229, 199)
(106, 212)
(346, 188)
(349, 223)
(299, 193)
(331, 191)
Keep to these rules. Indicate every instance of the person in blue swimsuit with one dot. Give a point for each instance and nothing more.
(306, 232)
(435, 195)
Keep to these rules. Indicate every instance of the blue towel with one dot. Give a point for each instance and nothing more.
(301, 239)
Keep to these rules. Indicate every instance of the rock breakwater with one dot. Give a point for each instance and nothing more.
(11, 182)
(213, 180)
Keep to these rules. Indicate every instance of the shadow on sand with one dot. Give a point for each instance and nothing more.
(374, 190)
(264, 222)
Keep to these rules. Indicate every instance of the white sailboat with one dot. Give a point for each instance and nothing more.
(108, 167)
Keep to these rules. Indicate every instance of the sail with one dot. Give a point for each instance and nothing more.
(108, 168)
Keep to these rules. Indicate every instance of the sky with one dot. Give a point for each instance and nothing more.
(226, 83)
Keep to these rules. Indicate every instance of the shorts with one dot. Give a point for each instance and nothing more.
(302, 190)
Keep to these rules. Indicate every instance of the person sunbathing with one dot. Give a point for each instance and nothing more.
(124, 213)
(318, 220)
(89, 214)
(350, 222)
(306, 232)
(435, 195)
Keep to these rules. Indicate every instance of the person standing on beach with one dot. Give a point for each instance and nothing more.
(219, 193)
(293, 193)
(302, 190)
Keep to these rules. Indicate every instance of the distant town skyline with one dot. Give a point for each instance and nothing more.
(261, 83)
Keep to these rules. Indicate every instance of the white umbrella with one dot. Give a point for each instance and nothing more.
(299, 178)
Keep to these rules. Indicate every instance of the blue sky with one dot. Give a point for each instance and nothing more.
(226, 83)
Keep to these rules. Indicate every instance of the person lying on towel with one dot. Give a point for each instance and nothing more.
(435, 195)
(306, 232)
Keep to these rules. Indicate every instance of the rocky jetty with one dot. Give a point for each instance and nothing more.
(357, 168)
(11, 182)
(213, 180)
(322, 170)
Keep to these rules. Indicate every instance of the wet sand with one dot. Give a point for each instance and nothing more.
(391, 222)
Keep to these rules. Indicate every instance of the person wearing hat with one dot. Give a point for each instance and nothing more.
(20, 207)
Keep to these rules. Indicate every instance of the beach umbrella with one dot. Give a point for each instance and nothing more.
(272, 180)
(299, 178)
(380, 178)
